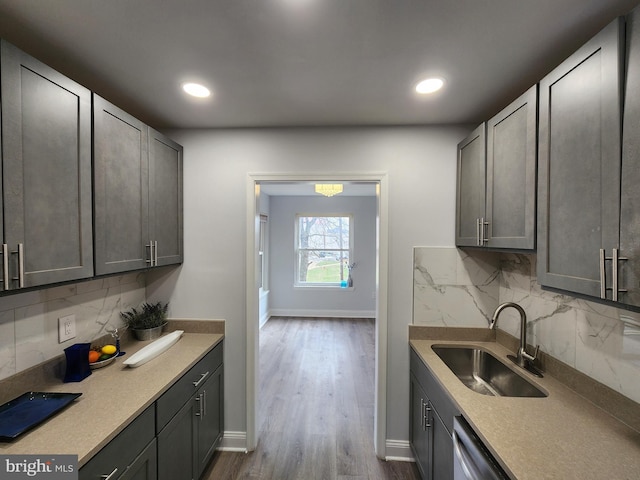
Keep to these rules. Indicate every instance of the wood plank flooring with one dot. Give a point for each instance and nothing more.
(316, 406)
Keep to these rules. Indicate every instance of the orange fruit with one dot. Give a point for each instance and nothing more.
(93, 356)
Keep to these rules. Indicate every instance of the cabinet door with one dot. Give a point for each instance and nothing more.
(442, 449)
(419, 433)
(145, 467)
(121, 189)
(511, 174)
(579, 163)
(470, 198)
(630, 195)
(210, 419)
(46, 161)
(176, 445)
(165, 203)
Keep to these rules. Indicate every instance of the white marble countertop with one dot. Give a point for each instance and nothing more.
(562, 436)
(112, 397)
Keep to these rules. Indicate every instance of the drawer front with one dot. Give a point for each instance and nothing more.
(121, 451)
(438, 396)
(173, 399)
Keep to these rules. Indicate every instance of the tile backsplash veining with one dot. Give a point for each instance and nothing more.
(458, 288)
(29, 321)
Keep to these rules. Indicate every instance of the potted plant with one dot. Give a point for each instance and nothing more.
(147, 321)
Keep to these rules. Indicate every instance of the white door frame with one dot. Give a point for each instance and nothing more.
(252, 295)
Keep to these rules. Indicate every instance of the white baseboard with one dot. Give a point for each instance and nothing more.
(398, 451)
(284, 312)
(233, 442)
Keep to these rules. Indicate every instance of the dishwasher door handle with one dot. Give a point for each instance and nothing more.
(468, 467)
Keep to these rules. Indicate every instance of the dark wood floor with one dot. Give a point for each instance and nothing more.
(316, 406)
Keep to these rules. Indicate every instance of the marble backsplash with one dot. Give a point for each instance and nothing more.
(29, 321)
(455, 287)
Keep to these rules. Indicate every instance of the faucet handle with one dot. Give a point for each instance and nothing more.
(533, 357)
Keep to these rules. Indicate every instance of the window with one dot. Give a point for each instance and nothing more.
(323, 249)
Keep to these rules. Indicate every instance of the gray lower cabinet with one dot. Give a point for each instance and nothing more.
(131, 455)
(46, 173)
(496, 184)
(138, 193)
(431, 423)
(190, 420)
(579, 151)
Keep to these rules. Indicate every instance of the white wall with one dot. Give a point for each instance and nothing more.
(421, 165)
(285, 299)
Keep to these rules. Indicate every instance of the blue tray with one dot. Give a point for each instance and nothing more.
(28, 410)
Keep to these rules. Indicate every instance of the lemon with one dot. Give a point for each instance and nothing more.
(108, 350)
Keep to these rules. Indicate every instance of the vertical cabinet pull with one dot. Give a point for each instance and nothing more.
(200, 412)
(153, 253)
(482, 236)
(615, 261)
(427, 410)
(20, 277)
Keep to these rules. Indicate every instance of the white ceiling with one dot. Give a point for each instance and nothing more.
(305, 62)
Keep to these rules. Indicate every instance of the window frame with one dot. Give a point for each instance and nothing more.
(296, 254)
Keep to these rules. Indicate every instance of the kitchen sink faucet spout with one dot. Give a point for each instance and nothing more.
(522, 356)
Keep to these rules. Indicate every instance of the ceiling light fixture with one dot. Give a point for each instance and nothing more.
(196, 90)
(430, 85)
(328, 189)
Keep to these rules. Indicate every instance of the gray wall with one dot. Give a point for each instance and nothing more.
(421, 167)
(284, 298)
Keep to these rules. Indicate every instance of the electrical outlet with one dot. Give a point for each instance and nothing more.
(66, 328)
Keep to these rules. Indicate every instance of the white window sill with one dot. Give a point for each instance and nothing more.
(323, 287)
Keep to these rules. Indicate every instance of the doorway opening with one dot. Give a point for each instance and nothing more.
(254, 271)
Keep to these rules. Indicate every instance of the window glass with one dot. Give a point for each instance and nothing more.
(323, 249)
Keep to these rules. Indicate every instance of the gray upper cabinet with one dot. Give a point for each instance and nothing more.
(470, 191)
(579, 164)
(138, 193)
(121, 189)
(46, 163)
(511, 175)
(629, 276)
(496, 190)
(165, 204)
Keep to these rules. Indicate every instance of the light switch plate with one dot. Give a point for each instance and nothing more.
(66, 328)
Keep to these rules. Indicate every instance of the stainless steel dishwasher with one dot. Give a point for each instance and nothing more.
(471, 459)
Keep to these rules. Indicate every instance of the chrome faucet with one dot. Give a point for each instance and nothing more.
(522, 358)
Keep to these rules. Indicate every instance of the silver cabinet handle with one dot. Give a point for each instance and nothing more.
(20, 277)
(108, 477)
(155, 253)
(616, 258)
(200, 401)
(484, 235)
(202, 377)
(150, 247)
(5, 267)
(427, 409)
(603, 276)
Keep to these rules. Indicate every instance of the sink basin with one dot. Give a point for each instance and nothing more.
(482, 372)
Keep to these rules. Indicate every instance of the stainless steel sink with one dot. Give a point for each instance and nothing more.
(482, 372)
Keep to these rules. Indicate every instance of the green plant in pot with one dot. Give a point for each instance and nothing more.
(146, 321)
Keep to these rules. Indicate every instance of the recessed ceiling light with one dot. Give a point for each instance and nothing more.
(196, 90)
(429, 85)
